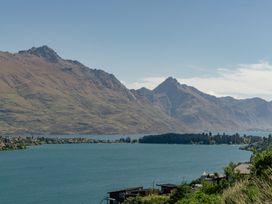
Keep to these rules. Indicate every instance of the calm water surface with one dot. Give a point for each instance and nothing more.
(83, 173)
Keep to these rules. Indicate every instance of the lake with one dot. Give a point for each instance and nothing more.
(84, 173)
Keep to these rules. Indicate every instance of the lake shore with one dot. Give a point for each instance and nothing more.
(23, 142)
(20, 142)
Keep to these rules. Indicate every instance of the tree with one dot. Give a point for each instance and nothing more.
(200, 197)
(179, 193)
(229, 170)
(262, 163)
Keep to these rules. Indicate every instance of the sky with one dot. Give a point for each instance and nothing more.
(220, 47)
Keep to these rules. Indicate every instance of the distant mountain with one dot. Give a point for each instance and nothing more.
(42, 93)
(202, 111)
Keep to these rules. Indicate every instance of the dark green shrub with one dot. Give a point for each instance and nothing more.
(179, 193)
(200, 198)
(262, 163)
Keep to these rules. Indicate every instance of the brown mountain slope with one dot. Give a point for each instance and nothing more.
(202, 111)
(42, 93)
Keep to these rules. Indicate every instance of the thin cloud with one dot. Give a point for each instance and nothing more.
(243, 81)
(147, 82)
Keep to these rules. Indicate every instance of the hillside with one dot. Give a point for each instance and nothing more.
(206, 112)
(42, 93)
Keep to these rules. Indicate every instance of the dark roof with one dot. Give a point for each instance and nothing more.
(168, 185)
(127, 189)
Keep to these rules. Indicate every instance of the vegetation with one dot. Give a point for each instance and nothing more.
(200, 197)
(258, 188)
(261, 145)
(151, 199)
(204, 138)
(66, 97)
(255, 188)
(262, 164)
(14, 143)
(180, 193)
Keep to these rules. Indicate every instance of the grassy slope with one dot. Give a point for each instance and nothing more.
(65, 97)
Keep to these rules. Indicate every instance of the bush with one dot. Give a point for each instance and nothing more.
(258, 188)
(262, 163)
(214, 188)
(254, 191)
(200, 197)
(179, 193)
(152, 199)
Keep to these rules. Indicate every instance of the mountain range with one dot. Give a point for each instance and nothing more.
(42, 93)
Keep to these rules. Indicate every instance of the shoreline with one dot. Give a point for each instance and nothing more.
(9, 143)
(24, 143)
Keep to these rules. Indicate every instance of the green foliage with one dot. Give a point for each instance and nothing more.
(259, 146)
(152, 199)
(13, 143)
(231, 175)
(229, 170)
(214, 188)
(262, 163)
(235, 194)
(179, 193)
(200, 197)
(196, 181)
(254, 191)
(204, 138)
(258, 188)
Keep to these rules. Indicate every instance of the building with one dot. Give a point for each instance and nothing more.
(210, 177)
(242, 168)
(167, 188)
(116, 197)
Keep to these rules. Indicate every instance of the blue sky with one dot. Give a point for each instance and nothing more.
(144, 41)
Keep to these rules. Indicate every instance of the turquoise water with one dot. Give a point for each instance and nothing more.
(84, 173)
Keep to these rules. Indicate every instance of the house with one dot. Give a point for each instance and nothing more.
(210, 177)
(242, 168)
(204, 176)
(167, 188)
(116, 197)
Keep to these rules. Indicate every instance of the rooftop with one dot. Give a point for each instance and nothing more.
(128, 189)
(168, 185)
(242, 168)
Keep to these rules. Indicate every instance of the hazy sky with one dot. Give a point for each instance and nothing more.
(220, 47)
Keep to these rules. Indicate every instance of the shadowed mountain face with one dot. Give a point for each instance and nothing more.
(44, 52)
(42, 93)
(202, 111)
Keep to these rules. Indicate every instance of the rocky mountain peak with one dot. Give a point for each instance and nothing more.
(169, 84)
(44, 51)
(144, 90)
(171, 80)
